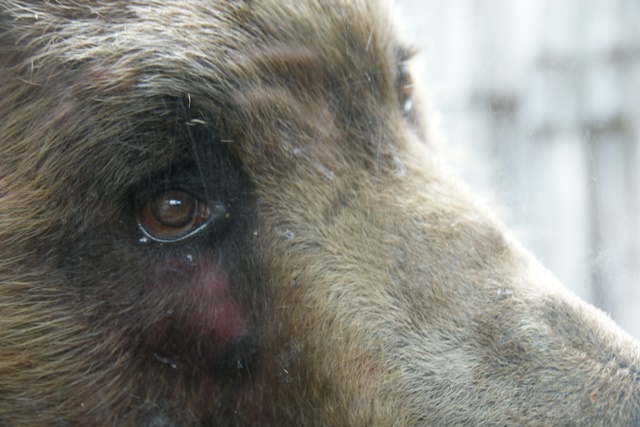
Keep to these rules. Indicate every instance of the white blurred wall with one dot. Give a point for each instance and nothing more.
(543, 97)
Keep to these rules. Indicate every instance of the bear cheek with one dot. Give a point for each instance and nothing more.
(190, 300)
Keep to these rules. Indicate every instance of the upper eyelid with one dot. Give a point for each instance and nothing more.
(160, 183)
(405, 53)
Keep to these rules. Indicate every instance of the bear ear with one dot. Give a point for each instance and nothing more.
(21, 21)
(8, 40)
(13, 28)
(5, 26)
(24, 26)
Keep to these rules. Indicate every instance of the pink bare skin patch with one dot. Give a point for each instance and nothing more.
(193, 318)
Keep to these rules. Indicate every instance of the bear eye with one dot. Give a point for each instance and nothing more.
(405, 87)
(173, 215)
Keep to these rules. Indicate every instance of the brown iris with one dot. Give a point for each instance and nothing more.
(173, 215)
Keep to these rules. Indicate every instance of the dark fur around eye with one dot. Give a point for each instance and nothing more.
(201, 194)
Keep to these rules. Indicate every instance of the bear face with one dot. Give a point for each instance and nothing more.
(230, 213)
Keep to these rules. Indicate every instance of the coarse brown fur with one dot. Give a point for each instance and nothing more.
(348, 280)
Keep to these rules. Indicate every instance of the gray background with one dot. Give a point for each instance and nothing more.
(539, 108)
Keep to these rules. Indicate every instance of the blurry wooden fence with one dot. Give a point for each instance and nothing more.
(544, 97)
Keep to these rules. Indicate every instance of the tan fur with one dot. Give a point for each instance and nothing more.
(369, 287)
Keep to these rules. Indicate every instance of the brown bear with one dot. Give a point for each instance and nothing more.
(229, 213)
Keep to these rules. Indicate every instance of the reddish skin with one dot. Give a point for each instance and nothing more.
(215, 315)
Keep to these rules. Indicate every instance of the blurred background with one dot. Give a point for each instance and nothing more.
(539, 103)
